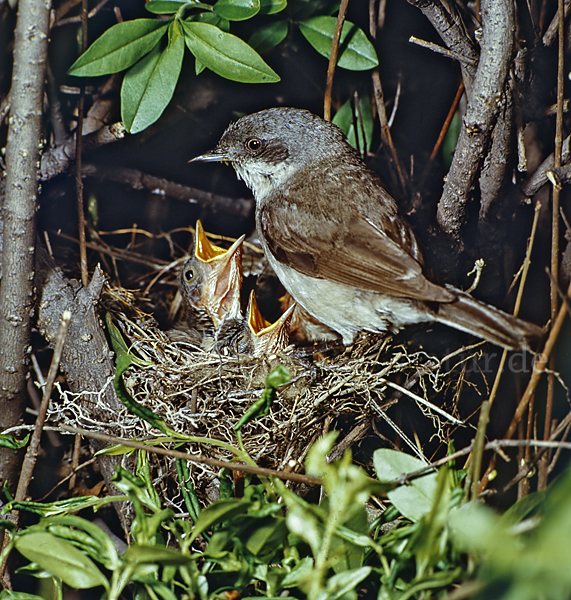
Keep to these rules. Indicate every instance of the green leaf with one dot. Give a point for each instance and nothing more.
(356, 53)
(338, 586)
(119, 47)
(300, 572)
(269, 36)
(302, 521)
(414, 500)
(10, 595)
(61, 507)
(451, 139)
(9, 441)
(237, 10)
(521, 509)
(115, 450)
(149, 85)
(271, 7)
(261, 407)
(267, 537)
(223, 510)
(124, 361)
(226, 54)
(164, 7)
(187, 489)
(346, 118)
(136, 488)
(212, 18)
(61, 559)
(140, 553)
(88, 536)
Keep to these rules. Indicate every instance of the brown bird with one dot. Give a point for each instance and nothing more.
(337, 240)
(303, 326)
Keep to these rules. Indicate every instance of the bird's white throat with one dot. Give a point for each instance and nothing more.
(262, 177)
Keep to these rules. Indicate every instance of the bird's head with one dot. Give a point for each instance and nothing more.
(268, 147)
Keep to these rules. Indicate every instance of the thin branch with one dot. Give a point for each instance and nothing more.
(78, 157)
(555, 203)
(440, 50)
(333, 59)
(442, 134)
(32, 452)
(551, 33)
(538, 368)
(195, 458)
(386, 137)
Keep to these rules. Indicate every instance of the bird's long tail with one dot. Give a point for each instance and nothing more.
(487, 322)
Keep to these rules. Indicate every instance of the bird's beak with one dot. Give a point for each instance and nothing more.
(268, 338)
(221, 293)
(215, 155)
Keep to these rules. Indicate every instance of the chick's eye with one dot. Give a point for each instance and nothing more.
(254, 144)
(189, 275)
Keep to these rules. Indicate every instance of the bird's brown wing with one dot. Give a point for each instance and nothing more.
(354, 252)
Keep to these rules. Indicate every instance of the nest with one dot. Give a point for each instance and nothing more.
(204, 395)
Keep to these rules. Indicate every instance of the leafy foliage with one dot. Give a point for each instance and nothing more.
(152, 50)
(272, 541)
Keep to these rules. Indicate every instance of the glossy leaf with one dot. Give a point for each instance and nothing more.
(271, 7)
(226, 54)
(60, 558)
(415, 499)
(212, 18)
(356, 53)
(341, 585)
(269, 36)
(120, 47)
(149, 86)
(237, 10)
(346, 118)
(164, 7)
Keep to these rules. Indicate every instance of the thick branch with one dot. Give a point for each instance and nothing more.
(483, 106)
(539, 178)
(22, 153)
(451, 29)
(86, 359)
(239, 207)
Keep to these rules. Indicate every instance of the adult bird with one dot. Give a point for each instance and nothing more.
(337, 240)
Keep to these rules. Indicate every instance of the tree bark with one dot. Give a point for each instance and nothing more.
(18, 211)
(498, 23)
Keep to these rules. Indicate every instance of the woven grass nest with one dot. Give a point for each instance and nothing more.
(204, 394)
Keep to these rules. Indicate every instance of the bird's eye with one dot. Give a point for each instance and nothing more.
(254, 144)
(189, 275)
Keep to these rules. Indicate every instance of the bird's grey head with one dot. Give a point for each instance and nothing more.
(268, 147)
